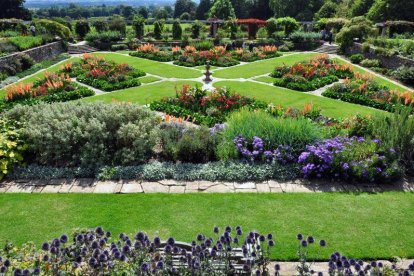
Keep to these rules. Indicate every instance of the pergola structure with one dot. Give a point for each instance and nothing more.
(214, 24)
(253, 25)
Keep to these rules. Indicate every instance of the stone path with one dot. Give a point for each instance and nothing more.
(89, 185)
(289, 268)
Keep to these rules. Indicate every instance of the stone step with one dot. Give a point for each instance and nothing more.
(81, 49)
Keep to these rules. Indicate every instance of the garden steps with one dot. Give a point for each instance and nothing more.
(75, 49)
(90, 185)
(327, 49)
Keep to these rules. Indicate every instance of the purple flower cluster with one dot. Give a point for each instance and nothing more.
(255, 151)
(348, 158)
(217, 128)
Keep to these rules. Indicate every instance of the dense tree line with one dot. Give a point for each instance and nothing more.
(304, 10)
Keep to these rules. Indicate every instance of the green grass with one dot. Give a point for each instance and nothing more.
(358, 225)
(261, 67)
(265, 79)
(380, 80)
(141, 94)
(148, 79)
(154, 67)
(286, 97)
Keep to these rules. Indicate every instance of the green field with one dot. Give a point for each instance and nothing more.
(364, 225)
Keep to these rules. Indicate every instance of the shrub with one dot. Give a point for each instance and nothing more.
(300, 36)
(396, 131)
(288, 24)
(371, 63)
(176, 30)
(404, 74)
(11, 24)
(195, 29)
(180, 143)
(82, 28)
(53, 28)
(138, 24)
(185, 16)
(271, 26)
(359, 27)
(100, 25)
(119, 47)
(70, 134)
(356, 58)
(158, 29)
(117, 24)
(12, 146)
(26, 42)
(350, 159)
(104, 39)
(275, 132)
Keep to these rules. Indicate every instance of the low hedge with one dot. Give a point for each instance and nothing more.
(309, 85)
(213, 171)
(153, 56)
(107, 85)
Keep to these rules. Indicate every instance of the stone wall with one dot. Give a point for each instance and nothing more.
(392, 62)
(38, 54)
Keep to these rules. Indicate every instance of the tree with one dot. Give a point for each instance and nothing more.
(260, 9)
(358, 27)
(158, 26)
(127, 12)
(100, 25)
(278, 7)
(14, 9)
(383, 10)
(82, 28)
(328, 10)
(182, 6)
(195, 29)
(222, 9)
(143, 11)
(185, 16)
(241, 8)
(161, 13)
(138, 24)
(176, 30)
(117, 23)
(202, 9)
(361, 7)
(271, 26)
(288, 24)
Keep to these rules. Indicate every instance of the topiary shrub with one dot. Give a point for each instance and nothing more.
(356, 58)
(53, 28)
(158, 28)
(288, 24)
(100, 25)
(371, 63)
(195, 29)
(176, 30)
(359, 28)
(138, 24)
(117, 23)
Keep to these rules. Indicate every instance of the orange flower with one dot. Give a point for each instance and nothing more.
(148, 48)
(17, 91)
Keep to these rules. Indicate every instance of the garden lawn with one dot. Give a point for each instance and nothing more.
(261, 67)
(364, 225)
(285, 97)
(153, 67)
(142, 94)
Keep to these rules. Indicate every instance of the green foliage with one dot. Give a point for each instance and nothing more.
(222, 9)
(371, 63)
(196, 27)
(100, 25)
(119, 47)
(177, 142)
(336, 24)
(53, 28)
(117, 23)
(300, 36)
(70, 134)
(101, 40)
(138, 24)
(158, 29)
(288, 24)
(361, 7)
(82, 28)
(184, 6)
(383, 10)
(12, 146)
(176, 30)
(185, 16)
(26, 42)
(396, 131)
(203, 45)
(328, 10)
(358, 27)
(14, 9)
(356, 58)
(271, 26)
(202, 9)
(405, 74)
(294, 132)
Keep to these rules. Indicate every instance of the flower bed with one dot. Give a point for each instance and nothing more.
(202, 107)
(102, 74)
(52, 88)
(311, 75)
(363, 90)
(217, 56)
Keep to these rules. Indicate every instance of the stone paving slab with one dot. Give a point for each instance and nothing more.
(89, 185)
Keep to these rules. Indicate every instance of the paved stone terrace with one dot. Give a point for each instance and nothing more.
(289, 268)
(89, 185)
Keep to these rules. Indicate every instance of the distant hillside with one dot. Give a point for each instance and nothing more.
(48, 3)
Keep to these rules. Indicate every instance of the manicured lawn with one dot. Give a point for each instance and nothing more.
(286, 97)
(358, 225)
(261, 67)
(265, 79)
(142, 94)
(154, 67)
(148, 79)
